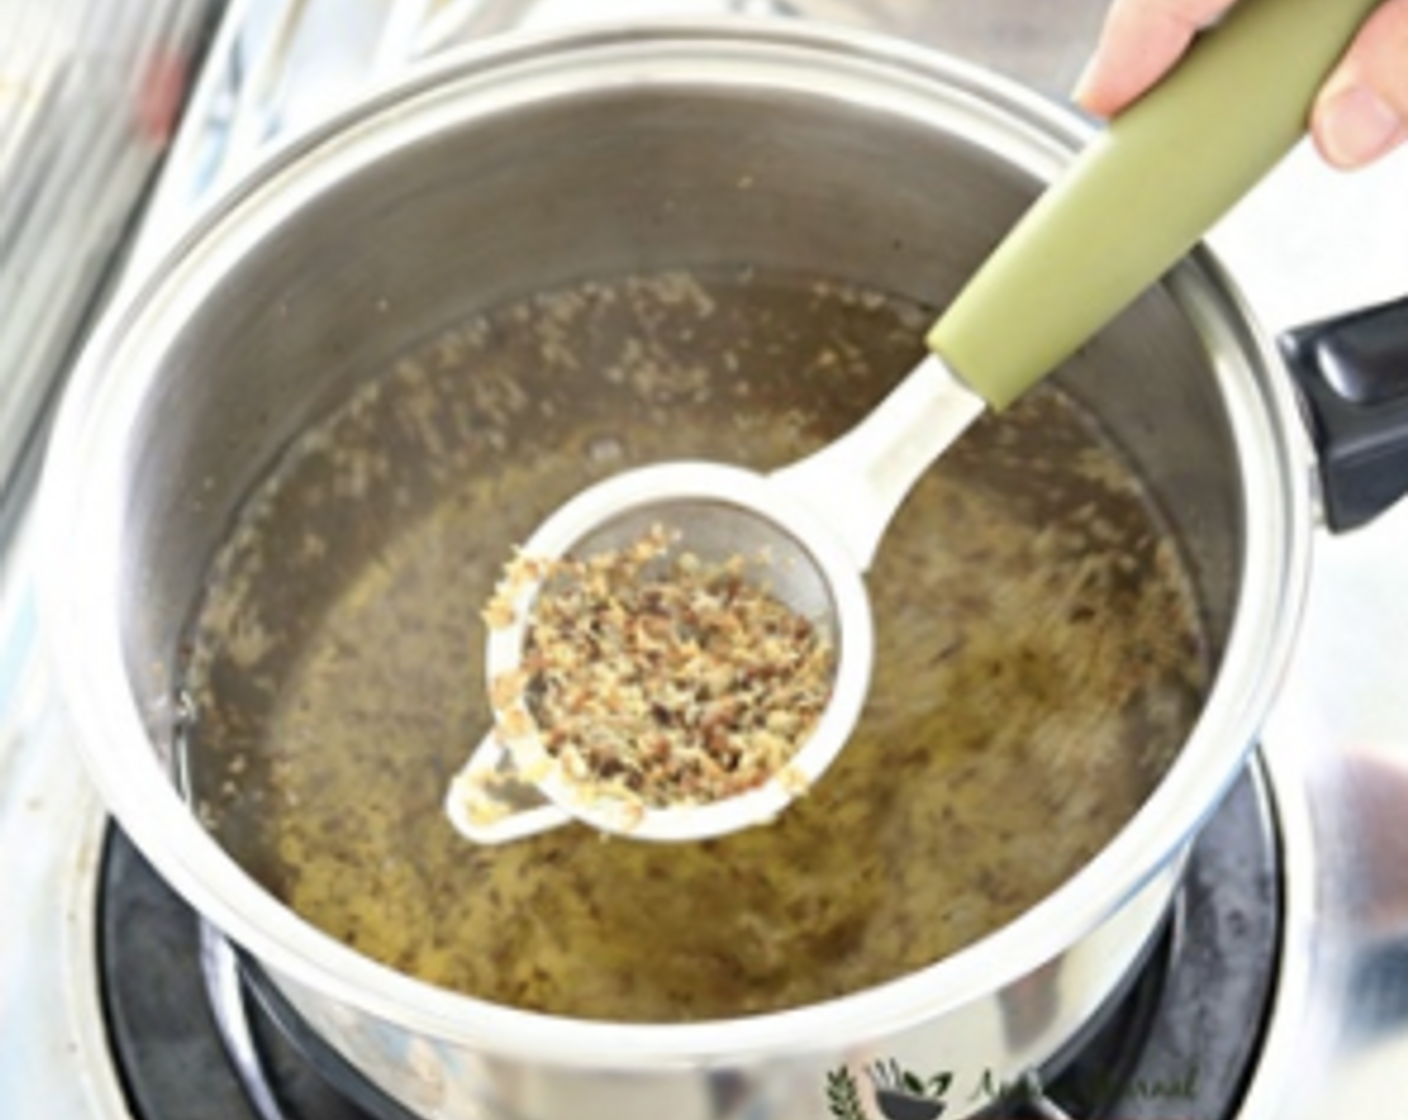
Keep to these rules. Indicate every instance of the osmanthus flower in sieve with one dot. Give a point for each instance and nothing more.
(653, 676)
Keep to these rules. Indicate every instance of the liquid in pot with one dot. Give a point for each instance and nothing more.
(1039, 659)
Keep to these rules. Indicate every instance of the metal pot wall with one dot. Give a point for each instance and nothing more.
(503, 172)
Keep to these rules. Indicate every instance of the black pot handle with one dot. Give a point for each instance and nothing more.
(1352, 374)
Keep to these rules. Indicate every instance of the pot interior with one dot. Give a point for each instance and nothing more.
(399, 374)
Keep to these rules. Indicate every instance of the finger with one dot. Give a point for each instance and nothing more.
(1139, 43)
(1362, 111)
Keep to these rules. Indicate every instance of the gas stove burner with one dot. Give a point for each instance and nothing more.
(199, 1034)
(161, 967)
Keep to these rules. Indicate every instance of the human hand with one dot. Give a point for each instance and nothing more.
(1360, 113)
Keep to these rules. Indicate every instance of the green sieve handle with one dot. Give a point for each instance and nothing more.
(1143, 192)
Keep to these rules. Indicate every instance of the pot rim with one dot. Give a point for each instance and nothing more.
(79, 514)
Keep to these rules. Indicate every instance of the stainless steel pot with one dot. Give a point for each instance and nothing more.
(504, 171)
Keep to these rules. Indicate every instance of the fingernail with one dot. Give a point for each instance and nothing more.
(1356, 126)
(1082, 83)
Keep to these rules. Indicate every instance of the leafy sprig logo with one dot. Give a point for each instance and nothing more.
(898, 1093)
(843, 1097)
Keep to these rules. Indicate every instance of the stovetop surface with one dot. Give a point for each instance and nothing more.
(1307, 244)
